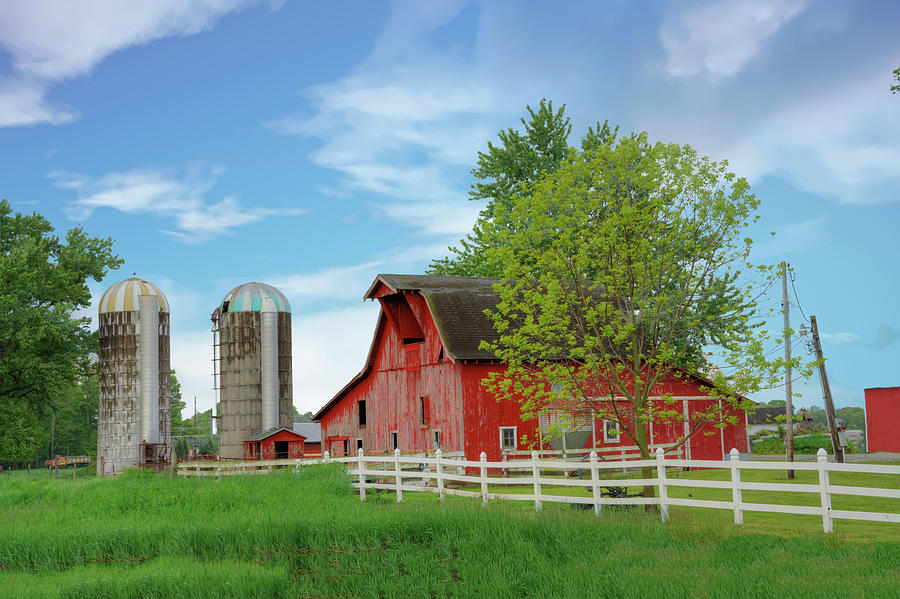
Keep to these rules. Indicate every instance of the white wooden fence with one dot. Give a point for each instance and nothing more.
(415, 473)
(618, 453)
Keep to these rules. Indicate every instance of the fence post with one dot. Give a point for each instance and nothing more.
(624, 467)
(325, 456)
(439, 472)
(397, 475)
(595, 483)
(483, 459)
(661, 480)
(536, 475)
(822, 459)
(736, 486)
(362, 478)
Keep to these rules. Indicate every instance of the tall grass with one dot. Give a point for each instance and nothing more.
(308, 535)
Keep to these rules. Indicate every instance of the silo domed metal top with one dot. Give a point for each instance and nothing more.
(248, 298)
(123, 296)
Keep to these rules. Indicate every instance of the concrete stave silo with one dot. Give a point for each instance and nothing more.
(252, 339)
(134, 379)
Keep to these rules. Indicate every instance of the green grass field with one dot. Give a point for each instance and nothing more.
(308, 535)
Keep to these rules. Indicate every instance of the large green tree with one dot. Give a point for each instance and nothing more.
(505, 173)
(616, 268)
(42, 282)
(895, 89)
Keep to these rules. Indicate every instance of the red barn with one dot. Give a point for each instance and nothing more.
(279, 444)
(883, 419)
(420, 388)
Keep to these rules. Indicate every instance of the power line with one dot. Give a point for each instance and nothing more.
(793, 278)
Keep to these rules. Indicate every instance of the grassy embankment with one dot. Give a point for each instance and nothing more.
(308, 535)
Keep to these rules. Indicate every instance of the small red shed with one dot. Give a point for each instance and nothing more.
(420, 388)
(279, 444)
(883, 419)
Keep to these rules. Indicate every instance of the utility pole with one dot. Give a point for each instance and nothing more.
(826, 390)
(788, 403)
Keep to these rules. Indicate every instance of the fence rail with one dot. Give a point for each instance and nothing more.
(429, 474)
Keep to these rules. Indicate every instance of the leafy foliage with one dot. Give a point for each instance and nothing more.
(304, 417)
(42, 282)
(895, 88)
(176, 404)
(618, 269)
(505, 173)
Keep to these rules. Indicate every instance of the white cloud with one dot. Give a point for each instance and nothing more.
(51, 41)
(162, 193)
(340, 282)
(348, 283)
(840, 144)
(836, 138)
(719, 39)
(329, 348)
(839, 338)
(435, 217)
(406, 123)
(191, 357)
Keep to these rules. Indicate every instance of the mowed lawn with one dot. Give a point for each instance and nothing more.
(308, 535)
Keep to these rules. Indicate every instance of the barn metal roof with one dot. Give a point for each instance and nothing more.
(312, 431)
(457, 305)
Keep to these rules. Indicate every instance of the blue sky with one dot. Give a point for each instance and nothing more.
(314, 145)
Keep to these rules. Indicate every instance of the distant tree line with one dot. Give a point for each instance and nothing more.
(853, 418)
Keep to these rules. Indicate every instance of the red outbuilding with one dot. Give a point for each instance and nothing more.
(883, 419)
(279, 444)
(420, 388)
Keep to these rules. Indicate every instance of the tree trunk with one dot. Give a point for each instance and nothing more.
(640, 438)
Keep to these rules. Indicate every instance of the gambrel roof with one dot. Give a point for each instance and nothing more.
(457, 306)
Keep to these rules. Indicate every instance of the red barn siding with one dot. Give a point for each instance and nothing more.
(397, 375)
(264, 449)
(883, 419)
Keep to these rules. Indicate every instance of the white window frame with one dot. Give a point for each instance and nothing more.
(606, 436)
(515, 444)
(395, 440)
(436, 438)
(359, 443)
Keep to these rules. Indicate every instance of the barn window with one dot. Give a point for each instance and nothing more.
(359, 444)
(507, 437)
(611, 431)
(346, 446)
(361, 410)
(394, 442)
(424, 411)
(437, 439)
